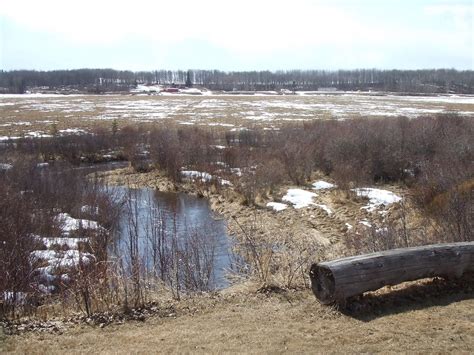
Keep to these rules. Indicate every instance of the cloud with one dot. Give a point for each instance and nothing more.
(249, 26)
(278, 34)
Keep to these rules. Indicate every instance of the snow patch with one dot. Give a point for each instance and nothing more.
(148, 89)
(17, 298)
(225, 182)
(61, 259)
(322, 185)
(236, 171)
(377, 197)
(90, 209)
(365, 223)
(7, 138)
(299, 198)
(69, 224)
(325, 208)
(277, 206)
(194, 175)
(70, 243)
(38, 134)
(5, 166)
(72, 131)
(191, 91)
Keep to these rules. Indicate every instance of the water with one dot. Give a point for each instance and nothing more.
(180, 215)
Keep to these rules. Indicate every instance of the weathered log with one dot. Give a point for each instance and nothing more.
(335, 281)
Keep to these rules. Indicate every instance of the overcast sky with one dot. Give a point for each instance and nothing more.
(236, 35)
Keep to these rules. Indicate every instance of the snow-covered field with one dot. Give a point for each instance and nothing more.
(37, 113)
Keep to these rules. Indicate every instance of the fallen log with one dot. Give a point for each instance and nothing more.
(335, 281)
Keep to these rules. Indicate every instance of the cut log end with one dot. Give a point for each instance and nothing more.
(322, 284)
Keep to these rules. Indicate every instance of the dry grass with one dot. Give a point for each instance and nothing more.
(429, 317)
(248, 321)
(219, 112)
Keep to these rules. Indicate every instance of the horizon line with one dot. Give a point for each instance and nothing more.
(236, 70)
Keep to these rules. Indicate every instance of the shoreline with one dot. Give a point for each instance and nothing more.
(310, 228)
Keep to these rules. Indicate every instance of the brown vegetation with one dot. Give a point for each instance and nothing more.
(430, 156)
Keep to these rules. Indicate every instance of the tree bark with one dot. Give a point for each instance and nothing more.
(334, 281)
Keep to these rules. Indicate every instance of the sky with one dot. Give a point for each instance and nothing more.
(236, 35)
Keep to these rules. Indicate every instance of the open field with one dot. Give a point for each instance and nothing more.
(35, 115)
(290, 197)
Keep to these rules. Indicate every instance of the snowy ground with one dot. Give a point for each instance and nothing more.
(37, 113)
(376, 207)
(59, 255)
(201, 176)
(377, 198)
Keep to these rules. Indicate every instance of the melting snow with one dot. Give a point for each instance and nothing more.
(225, 182)
(69, 224)
(219, 108)
(299, 198)
(7, 138)
(60, 259)
(193, 175)
(322, 185)
(56, 264)
(203, 177)
(11, 297)
(236, 171)
(72, 131)
(277, 206)
(377, 197)
(145, 88)
(5, 166)
(71, 243)
(90, 209)
(38, 134)
(325, 208)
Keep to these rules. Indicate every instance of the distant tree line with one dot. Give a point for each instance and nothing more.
(100, 80)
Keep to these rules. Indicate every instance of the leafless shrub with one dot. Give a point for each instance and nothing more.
(166, 152)
(297, 156)
(197, 253)
(295, 257)
(281, 260)
(16, 244)
(257, 252)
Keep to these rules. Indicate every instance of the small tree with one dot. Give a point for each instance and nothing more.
(189, 82)
(114, 127)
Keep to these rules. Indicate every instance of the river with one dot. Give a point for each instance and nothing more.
(152, 216)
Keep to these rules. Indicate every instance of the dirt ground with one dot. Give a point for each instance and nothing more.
(427, 316)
